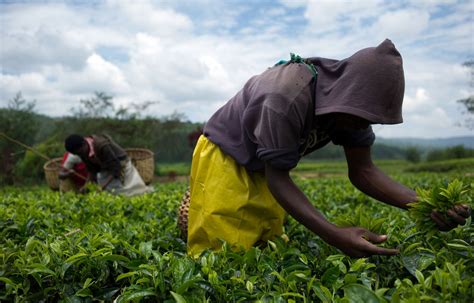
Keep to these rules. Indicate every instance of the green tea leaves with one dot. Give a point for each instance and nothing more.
(439, 199)
(104, 248)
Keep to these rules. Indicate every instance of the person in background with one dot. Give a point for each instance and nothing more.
(240, 184)
(73, 173)
(108, 163)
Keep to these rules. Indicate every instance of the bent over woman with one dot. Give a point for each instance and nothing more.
(240, 186)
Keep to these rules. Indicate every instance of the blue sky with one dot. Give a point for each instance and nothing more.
(192, 56)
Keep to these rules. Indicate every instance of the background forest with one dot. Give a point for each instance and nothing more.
(171, 138)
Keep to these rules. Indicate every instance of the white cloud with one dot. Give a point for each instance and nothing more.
(99, 74)
(428, 117)
(401, 25)
(215, 70)
(194, 56)
(432, 122)
(326, 16)
(26, 51)
(421, 100)
(29, 82)
(147, 17)
(294, 3)
(147, 45)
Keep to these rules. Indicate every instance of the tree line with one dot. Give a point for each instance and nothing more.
(171, 137)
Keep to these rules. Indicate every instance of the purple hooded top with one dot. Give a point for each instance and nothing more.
(369, 84)
(274, 117)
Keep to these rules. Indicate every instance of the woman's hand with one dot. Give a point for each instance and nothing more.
(359, 242)
(83, 190)
(106, 183)
(454, 217)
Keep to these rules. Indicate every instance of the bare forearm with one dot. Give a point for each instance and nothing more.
(293, 200)
(373, 182)
(376, 184)
(353, 241)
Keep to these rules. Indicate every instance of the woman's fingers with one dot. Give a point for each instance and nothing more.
(371, 249)
(440, 221)
(376, 250)
(468, 208)
(455, 217)
(373, 237)
(463, 210)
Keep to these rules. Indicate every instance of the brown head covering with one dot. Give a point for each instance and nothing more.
(369, 84)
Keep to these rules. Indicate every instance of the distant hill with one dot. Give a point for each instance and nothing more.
(466, 141)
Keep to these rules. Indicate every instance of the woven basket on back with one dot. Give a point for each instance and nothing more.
(51, 172)
(183, 214)
(144, 161)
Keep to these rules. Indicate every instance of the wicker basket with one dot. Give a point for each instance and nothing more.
(51, 172)
(67, 184)
(143, 159)
(183, 212)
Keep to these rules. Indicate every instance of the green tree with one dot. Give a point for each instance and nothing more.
(412, 154)
(17, 121)
(455, 152)
(133, 110)
(100, 105)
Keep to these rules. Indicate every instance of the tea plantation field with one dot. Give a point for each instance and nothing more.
(101, 248)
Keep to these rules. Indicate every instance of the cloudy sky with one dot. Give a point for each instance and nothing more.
(191, 56)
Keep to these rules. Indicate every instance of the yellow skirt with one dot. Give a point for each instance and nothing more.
(228, 203)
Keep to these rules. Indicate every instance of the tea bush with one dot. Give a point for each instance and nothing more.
(98, 247)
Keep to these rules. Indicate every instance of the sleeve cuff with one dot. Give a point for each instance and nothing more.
(283, 159)
(354, 138)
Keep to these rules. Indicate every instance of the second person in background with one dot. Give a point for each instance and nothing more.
(108, 163)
